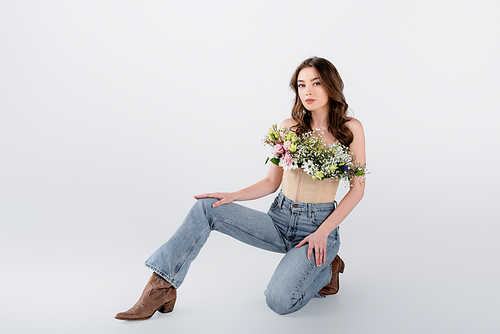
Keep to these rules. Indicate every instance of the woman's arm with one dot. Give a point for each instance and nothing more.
(260, 189)
(318, 239)
(355, 194)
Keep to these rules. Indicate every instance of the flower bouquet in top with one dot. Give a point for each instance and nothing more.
(310, 152)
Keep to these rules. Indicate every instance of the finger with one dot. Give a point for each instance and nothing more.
(317, 257)
(210, 195)
(222, 200)
(302, 243)
(321, 257)
(309, 252)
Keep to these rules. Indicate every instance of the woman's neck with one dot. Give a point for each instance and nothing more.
(319, 119)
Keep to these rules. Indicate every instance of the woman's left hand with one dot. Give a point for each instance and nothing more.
(317, 242)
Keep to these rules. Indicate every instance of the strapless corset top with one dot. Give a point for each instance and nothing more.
(299, 186)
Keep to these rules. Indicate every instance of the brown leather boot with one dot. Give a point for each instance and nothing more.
(333, 287)
(158, 295)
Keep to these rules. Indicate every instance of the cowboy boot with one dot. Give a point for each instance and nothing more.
(332, 288)
(158, 295)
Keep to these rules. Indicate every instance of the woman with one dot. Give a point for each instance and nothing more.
(302, 221)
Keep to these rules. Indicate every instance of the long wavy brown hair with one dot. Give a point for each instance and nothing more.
(333, 85)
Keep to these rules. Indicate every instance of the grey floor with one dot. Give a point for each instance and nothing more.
(76, 284)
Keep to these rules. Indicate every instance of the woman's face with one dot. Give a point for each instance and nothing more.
(311, 92)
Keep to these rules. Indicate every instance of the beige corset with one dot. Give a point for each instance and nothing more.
(299, 186)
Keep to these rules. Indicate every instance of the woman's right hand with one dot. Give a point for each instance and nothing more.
(224, 198)
(260, 189)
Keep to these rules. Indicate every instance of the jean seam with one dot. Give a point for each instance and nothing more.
(189, 251)
(295, 295)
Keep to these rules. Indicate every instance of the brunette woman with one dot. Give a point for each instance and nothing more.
(303, 221)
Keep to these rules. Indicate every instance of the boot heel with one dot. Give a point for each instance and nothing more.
(168, 307)
(342, 266)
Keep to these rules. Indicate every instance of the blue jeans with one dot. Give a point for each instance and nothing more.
(296, 279)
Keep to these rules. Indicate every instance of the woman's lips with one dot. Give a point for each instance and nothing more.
(309, 101)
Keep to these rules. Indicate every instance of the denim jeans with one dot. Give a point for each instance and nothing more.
(296, 279)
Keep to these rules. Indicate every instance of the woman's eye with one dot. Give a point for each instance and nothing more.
(301, 85)
(317, 83)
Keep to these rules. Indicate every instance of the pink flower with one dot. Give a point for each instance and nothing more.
(287, 144)
(287, 159)
(278, 149)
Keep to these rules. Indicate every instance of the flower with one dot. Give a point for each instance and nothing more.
(344, 168)
(310, 153)
(273, 133)
(318, 174)
(291, 136)
(278, 149)
(287, 160)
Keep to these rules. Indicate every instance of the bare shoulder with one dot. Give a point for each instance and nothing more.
(355, 126)
(287, 123)
(358, 144)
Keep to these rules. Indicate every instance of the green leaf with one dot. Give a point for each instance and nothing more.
(266, 161)
(275, 161)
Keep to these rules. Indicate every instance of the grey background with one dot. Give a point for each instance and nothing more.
(113, 114)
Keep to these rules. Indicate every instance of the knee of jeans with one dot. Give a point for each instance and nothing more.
(280, 303)
(204, 207)
(205, 203)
